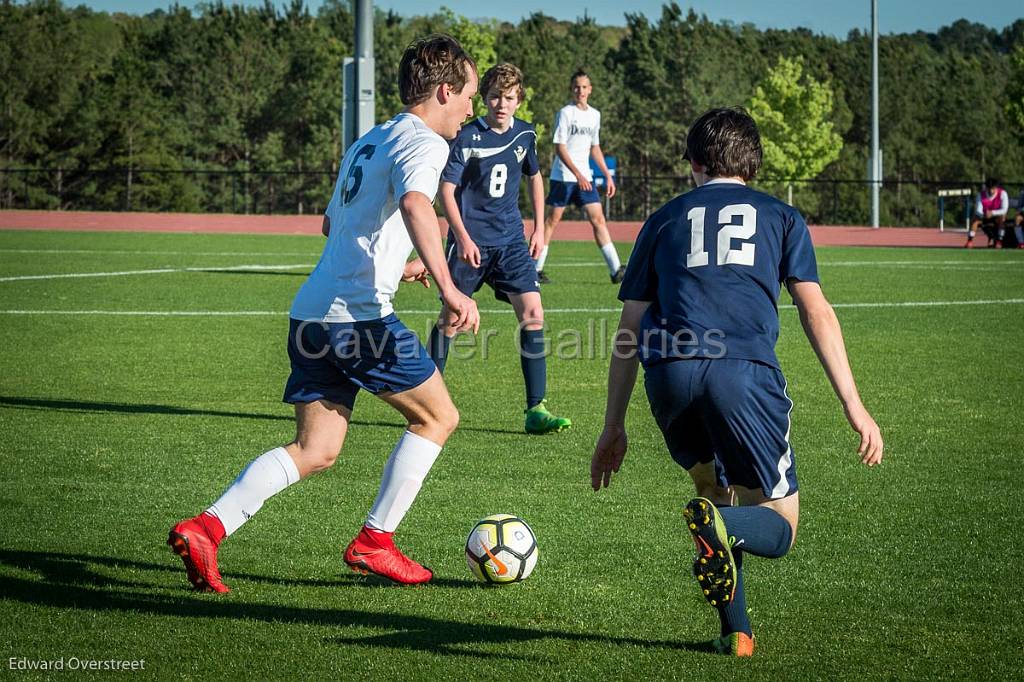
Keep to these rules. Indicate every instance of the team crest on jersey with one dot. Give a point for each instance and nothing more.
(520, 153)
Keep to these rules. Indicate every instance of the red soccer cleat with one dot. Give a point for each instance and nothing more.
(195, 540)
(374, 551)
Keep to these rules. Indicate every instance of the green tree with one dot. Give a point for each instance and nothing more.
(1015, 91)
(793, 111)
(479, 38)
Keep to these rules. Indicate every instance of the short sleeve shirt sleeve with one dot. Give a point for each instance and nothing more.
(641, 281)
(798, 260)
(419, 168)
(530, 164)
(456, 165)
(596, 137)
(562, 126)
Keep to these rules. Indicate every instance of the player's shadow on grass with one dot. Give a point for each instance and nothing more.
(98, 406)
(70, 582)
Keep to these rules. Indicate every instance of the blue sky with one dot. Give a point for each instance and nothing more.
(836, 17)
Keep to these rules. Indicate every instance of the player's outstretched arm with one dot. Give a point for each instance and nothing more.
(598, 156)
(468, 250)
(563, 153)
(421, 222)
(823, 331)
(535, 186)
(611, 445)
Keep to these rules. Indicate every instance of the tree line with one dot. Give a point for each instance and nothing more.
(238, 108)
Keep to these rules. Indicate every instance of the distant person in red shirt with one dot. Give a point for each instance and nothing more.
(990, 213)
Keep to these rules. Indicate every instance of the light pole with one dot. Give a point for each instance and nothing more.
(357, 113)
(876, 161)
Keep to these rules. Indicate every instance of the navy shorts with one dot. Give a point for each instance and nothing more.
(565, 193)
(508, 269)
(732, 412)
(333, 360)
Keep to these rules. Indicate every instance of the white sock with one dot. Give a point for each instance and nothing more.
(407, 466)
(611, 257)
(540, 259)
(267, 475)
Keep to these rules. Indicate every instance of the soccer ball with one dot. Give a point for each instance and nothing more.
(501, 549)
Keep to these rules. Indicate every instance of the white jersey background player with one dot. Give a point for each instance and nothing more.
(577, 139)
(344, 335)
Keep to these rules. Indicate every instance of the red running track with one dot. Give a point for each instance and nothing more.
(290, 224)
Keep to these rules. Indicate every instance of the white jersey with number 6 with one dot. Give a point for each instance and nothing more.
(362, 263)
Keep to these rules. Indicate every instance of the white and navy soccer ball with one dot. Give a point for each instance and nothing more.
(501, 549)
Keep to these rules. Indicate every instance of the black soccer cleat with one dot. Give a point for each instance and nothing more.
(619, 275)
(714, 566)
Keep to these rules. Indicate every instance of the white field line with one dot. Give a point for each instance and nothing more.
(914, 265)
(121, 252)
(944, 264)
(155, 271)
(559, 263)
(494, 311)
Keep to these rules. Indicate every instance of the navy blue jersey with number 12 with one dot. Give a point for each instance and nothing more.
(486, 166)
(711, 261)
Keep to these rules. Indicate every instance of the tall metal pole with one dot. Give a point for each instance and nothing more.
(876, 162)
(357, 109)
(364, 67)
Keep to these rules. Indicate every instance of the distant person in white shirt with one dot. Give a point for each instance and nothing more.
(344, 335)
(577, 140)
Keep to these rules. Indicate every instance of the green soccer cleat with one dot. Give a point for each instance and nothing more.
(539, 421)
(714, 566)
(734, 644)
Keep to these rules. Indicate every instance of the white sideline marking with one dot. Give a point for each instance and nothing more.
(156, 271)
(555, 265)
(495, 311)
(164, 253)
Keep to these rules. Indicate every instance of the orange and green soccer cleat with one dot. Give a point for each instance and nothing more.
(734, 644)
(714, 567)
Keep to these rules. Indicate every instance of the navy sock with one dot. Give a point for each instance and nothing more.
(437, 346)
(733, 615)
(757, 530)
(534, 364)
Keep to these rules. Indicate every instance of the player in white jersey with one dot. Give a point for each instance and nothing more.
(344, 335)
(577, 140)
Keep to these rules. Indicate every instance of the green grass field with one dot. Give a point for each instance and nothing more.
(116, 424)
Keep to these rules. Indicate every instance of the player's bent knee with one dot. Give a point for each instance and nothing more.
(314, 458)
(533, 318)
(448, 419)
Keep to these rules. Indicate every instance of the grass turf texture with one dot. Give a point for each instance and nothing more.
(114, 427)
